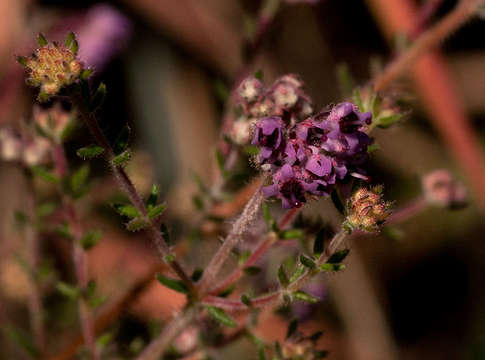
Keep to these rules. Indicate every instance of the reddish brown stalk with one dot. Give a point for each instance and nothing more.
(411, 209)
(127, 186)
(434, 82)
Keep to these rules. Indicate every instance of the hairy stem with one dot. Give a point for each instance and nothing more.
(238, 229)
(258, 252)
(128, 187)
(429, 39)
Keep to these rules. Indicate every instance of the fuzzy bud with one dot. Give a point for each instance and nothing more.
(367, 210)
(441, 189)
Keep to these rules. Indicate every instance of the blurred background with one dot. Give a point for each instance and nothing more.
(414, 293)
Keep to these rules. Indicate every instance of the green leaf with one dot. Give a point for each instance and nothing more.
(251, 150)
(173, 284)
(127, 210)
(68, 290)
(165, 233)
(283, 277)
(153, 197)
(307, 262)
(98, 97)
(315, 336)
(337, 202)
(86, 73)
(46, 209)
(156, 211)
(22, 60)
(226, 292)
(221, 163)
(303, 296)
(246, 300)
(79, 179)
(90, 151)
(332, 267)
(319, 244)
(45, 174)
(292, 234)
(259, 75)
(221, 90)
(121, 159)
(74, 46)
(197, 274)
(243, 257)
(169, 258)
(372, 148)
(104, 340)
(90, 239)
(219, 315)
(41, 40)
(261, 354)
(298, 272)
(358, 100)
(69, 39)
(292, 327)
(252, 270)
(122, 142)
(387, 121)
(136, 224)
(21, 339)
(338, 257)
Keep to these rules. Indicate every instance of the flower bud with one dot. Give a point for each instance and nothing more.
(52, 122)
(250, 89)
(367, 210)
(441, 189)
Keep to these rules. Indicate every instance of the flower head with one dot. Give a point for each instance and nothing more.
(53, 66)
(441, 189)
(367, 210)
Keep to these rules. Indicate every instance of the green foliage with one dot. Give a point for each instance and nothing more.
(307, 262)
(90, 152)
(127, 210)
(283, 277)
(338, 256)
(98, 97)
(122, 158)
(90, 239)
(45, 174)
(173, 284)
(220, 316)
(303, 296)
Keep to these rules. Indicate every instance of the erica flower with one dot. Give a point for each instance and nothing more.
(250, 89)
(269, 136)
(287, 187)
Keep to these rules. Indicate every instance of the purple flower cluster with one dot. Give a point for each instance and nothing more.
(308, 157)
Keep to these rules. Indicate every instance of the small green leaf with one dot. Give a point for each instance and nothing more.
(246, 300)
(121, 159)
(122, 142)
(283, 277)
(104, 340)
(243, 257)
(221, 163)
(259, 75)
(197, 274)
(220, 316)
(86, 73)
(156, 211)
(332, 267)
(303, 296)
(372, 148)
(261, 354)
(173, 284)
(252, 270)
(165, 233)
(292, 327)
(45, 174)
(298, 272)
(315, 336)
(136, 224)
(90, 151)
(358, 100)
(98, 97)
(74, 47)
(22, 60)
(169, 258)
(90, 239)
(267, 215)
(68, 290)
(338, 257)
(251, 150)
(226, 292)
(46, 209)
(307, 262)
(69, 39)
(79, 178)
(153, 197)
(387, 121)
(292, 234)
(221, 90)
(337, 202)
(41, 40)
(319, 244)
(127, 210)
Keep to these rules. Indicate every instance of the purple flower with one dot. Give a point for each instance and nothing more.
(287, 187)
(269, 137)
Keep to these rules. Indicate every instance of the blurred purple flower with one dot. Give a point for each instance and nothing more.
(269, 137)
(105, 32)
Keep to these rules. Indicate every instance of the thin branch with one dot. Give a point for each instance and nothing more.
(238, 229)
(428, 40)
(126, 184)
